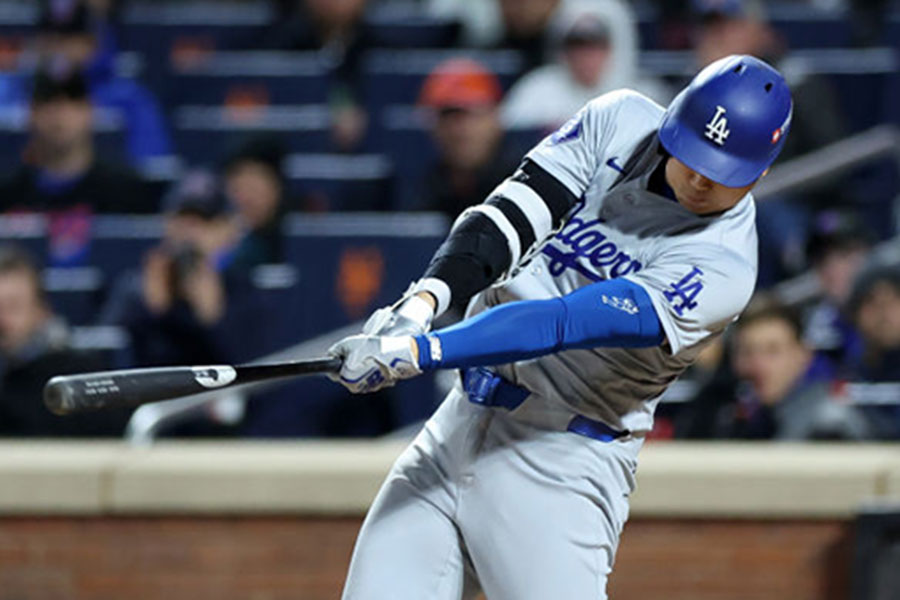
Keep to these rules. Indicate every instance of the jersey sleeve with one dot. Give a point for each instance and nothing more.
(488, 239)
(575, 151)
(697, 291)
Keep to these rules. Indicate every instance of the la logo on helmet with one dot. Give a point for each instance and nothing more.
(717, 128)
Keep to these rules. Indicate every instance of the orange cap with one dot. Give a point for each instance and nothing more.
(460, 82)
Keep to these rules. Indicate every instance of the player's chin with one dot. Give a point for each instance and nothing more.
(694, 204)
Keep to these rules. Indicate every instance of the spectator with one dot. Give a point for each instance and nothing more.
(479, 20)
(869, 19)
(674, 20)
(532, 27)
(463, 98)
(739, 27)
(727, 27)
(62, 171)
(875, 306)
(190, 303)
(34, 346)
(837, 251)
(522, 25)
(69, 40)
(335, 28)
(526, 28)
(591, 62)
(104, 8)
(783, 388)
(255, 186)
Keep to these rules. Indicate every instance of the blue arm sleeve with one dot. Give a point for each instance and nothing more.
(614, 313)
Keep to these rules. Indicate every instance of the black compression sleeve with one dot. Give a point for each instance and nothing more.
(477, 252)
(473, 257)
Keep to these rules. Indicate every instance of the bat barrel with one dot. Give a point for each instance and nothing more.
(59, 395)
(67, 394)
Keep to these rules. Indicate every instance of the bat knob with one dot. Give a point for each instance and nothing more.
(59, 395)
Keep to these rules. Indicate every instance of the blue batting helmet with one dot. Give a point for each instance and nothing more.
(730, 122)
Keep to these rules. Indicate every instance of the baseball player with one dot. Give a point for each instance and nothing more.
(594, 275)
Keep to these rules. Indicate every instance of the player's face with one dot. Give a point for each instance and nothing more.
(699, 194)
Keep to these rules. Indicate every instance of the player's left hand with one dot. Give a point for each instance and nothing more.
(373, 362)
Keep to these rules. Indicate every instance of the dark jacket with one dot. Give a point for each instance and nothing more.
(177, 337)
(728, 409)
(105, 188)
(22, 378)
(437, 194)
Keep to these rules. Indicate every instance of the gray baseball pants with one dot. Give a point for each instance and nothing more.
(483, 501)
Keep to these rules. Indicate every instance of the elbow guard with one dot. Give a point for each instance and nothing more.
(474, 255)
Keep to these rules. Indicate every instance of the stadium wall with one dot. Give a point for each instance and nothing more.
(277, 520)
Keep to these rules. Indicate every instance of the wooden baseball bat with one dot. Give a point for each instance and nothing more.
(67, 394)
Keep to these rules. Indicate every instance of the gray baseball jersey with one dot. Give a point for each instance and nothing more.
(698, 270)
(509, 501)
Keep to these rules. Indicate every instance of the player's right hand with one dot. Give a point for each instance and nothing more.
(372, 362)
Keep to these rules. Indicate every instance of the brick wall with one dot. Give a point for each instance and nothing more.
(733, 560)
(173, 558)
(274, 558)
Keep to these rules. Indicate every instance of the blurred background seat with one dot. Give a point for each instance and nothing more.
(248, 79)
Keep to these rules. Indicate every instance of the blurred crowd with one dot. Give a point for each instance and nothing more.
(789, 369)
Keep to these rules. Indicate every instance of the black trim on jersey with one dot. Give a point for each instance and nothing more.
(657, 182)
(637, 163)
(555, 195)
(472, 257)
(517, 219)
(476, 253)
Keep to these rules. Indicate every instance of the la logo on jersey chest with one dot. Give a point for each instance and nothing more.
(717, 127)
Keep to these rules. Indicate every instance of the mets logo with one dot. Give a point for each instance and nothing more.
(717, 128)
(359, 279)
(590, 251)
